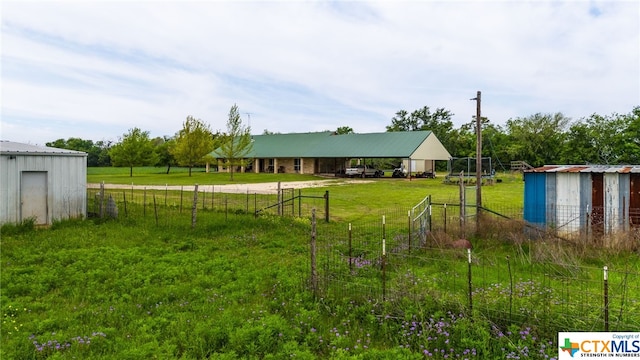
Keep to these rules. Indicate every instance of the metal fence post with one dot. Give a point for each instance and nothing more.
(326, 206)
(606, 298)
(194, 207)
(470, 287)
(410, 231)
(384, 261)
(350, 250)
(314, 270)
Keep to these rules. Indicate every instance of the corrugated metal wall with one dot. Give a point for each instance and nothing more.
(634, 200)
(598, 202)
(568, 202)
(535, 198)
(66, 181)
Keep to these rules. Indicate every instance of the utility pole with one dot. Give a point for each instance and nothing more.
(478, 159)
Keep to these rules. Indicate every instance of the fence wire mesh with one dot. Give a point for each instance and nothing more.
(169, 207)
(539, 282)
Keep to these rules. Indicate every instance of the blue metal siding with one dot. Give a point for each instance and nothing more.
(535, 198)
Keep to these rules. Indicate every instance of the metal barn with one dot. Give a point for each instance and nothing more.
(43, 183)
(597, 199)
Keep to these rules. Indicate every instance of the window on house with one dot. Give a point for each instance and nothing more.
(296, 164)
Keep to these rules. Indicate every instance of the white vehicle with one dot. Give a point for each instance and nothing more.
(363, 171)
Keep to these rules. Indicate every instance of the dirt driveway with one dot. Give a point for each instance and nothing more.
(257, 188)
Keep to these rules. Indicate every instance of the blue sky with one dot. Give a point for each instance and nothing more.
(96, 69)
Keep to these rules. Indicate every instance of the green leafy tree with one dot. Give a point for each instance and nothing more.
(193, 143)
(438, 122)
(631, 137)
(162, 148)
(95, 151)
(344, 130)
(134, 149)
(538, 139)
(599, 139)
(236, 143)
(580, 146)
(104, 159)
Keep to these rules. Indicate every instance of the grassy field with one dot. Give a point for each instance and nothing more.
(351, 202)
(180, 176)
(237, 287)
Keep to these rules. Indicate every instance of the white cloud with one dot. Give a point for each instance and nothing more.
(96, 69)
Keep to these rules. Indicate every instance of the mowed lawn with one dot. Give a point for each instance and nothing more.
(371, 195)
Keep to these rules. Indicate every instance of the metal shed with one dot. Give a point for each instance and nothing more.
(600, 199)
(43, 183)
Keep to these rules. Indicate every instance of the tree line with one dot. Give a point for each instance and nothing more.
(191, 146)
(537, 139)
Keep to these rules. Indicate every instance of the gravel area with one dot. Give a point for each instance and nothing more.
(257, 188)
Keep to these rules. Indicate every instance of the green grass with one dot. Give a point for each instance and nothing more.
(237, 287)
(180, 176)
(234, 287)
(349, 203)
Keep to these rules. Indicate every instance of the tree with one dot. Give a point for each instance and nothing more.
(631, 137)
(236, 143)
(344, 130)
(438, 122)
(134, 149)
(193, 143)
(580, 145)
(537, 139)
(96, 153)
(162, 149)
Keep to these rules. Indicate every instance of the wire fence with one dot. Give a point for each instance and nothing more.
(537, 281)
(164, 205)
(411, 254)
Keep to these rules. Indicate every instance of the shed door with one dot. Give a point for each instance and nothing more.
(535, 198)
(634, 200)
(33, 196)
(597, 203)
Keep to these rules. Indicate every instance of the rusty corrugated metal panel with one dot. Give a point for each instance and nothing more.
(621, 169)
(545, 168)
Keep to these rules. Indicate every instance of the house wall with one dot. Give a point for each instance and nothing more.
(66, 179)
(419, 165)
(287, 165)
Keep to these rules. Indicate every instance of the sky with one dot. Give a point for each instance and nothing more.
(94, 70)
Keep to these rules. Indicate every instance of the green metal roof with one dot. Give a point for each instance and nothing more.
(328, 145)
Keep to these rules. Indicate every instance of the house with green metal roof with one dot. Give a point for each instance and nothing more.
(329, 153)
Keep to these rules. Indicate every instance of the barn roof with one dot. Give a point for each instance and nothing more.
(15, 148)
(621, 169)
(409, 144)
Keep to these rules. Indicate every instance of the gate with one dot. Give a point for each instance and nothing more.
(288, 203)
